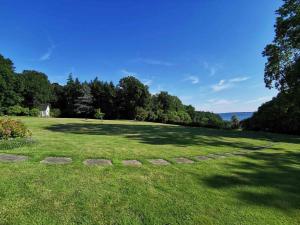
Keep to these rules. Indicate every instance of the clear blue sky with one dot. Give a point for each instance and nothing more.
(207, 52)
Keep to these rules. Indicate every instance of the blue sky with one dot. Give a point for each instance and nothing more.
(207, 52)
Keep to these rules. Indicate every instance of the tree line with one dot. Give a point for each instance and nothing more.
(282, 71)
(23, 94)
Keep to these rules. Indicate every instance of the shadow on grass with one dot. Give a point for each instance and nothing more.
(268, 179)
(172, 135)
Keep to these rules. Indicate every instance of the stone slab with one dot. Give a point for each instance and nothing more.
(132, 162)
(201, 157)
(57, 160)
(97, 162)
(12, 158)
(182, 160)
(158, 162)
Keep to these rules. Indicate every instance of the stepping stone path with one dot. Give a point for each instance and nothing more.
(12, 158)
(131, 163)
(57, 160)
(202, 157)
(97, 162)
(158, 162)
(182, 160)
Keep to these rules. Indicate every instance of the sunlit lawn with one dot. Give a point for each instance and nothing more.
(262, 187)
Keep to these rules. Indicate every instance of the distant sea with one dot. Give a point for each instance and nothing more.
(240, 115)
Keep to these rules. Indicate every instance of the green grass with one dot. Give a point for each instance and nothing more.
(262, 187)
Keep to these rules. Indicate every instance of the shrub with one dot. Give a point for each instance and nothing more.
(17, 111)
(55, 112)
(99, 114)
(141, 114)
(12, 129)
(34, 112)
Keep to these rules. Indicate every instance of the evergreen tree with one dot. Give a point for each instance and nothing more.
(83, 104)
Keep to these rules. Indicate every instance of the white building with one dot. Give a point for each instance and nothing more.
(45, 110)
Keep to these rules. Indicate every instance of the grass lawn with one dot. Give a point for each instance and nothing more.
(262, 187)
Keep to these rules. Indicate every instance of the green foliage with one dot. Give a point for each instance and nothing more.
(141, 114)
(131, 94)
(55, 112)
(284, 50)
(104, 97)
(207, 119)
(235, 123)
(37, 88)
(12, 129)
(17, 111)
(98, 114)
(83, 104)
(34, 112)
(9, 87)
(281, 115)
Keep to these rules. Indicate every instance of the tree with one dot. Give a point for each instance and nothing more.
(83, 104)
(104, 95)
(72, 91)
(235, 123)
(284, 51)
(131, 94)
(37, 88)
(10, 87)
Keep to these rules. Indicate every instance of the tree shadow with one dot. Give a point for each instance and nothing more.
(172, 135)
(268, 179)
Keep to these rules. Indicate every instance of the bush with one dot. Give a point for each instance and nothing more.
(99, 114)
(141, 114)
(12, 129)
(34, 112)
(207, 119)
(55, 113)
(17, 111)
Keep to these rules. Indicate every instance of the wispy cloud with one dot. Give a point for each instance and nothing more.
(48, 53)
(127, 73)
(211, 68)
(226, 84)
(260, 99)
(221, 101)
(153, 61)
(192, 79)
(145, 81)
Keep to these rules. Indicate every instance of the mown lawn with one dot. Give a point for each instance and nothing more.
(262, 187)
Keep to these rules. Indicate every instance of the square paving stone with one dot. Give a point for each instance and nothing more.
(56, 160)
(182, 160)
(158, 162)
(201, 157)
(97, 162)
(12, 158)
(132, 162)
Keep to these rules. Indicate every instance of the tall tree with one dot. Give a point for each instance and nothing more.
(83, 104)
(104, 95)
(9, 84)
(72, 91)
(37, 88)
(284, 51)
(131, 94)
